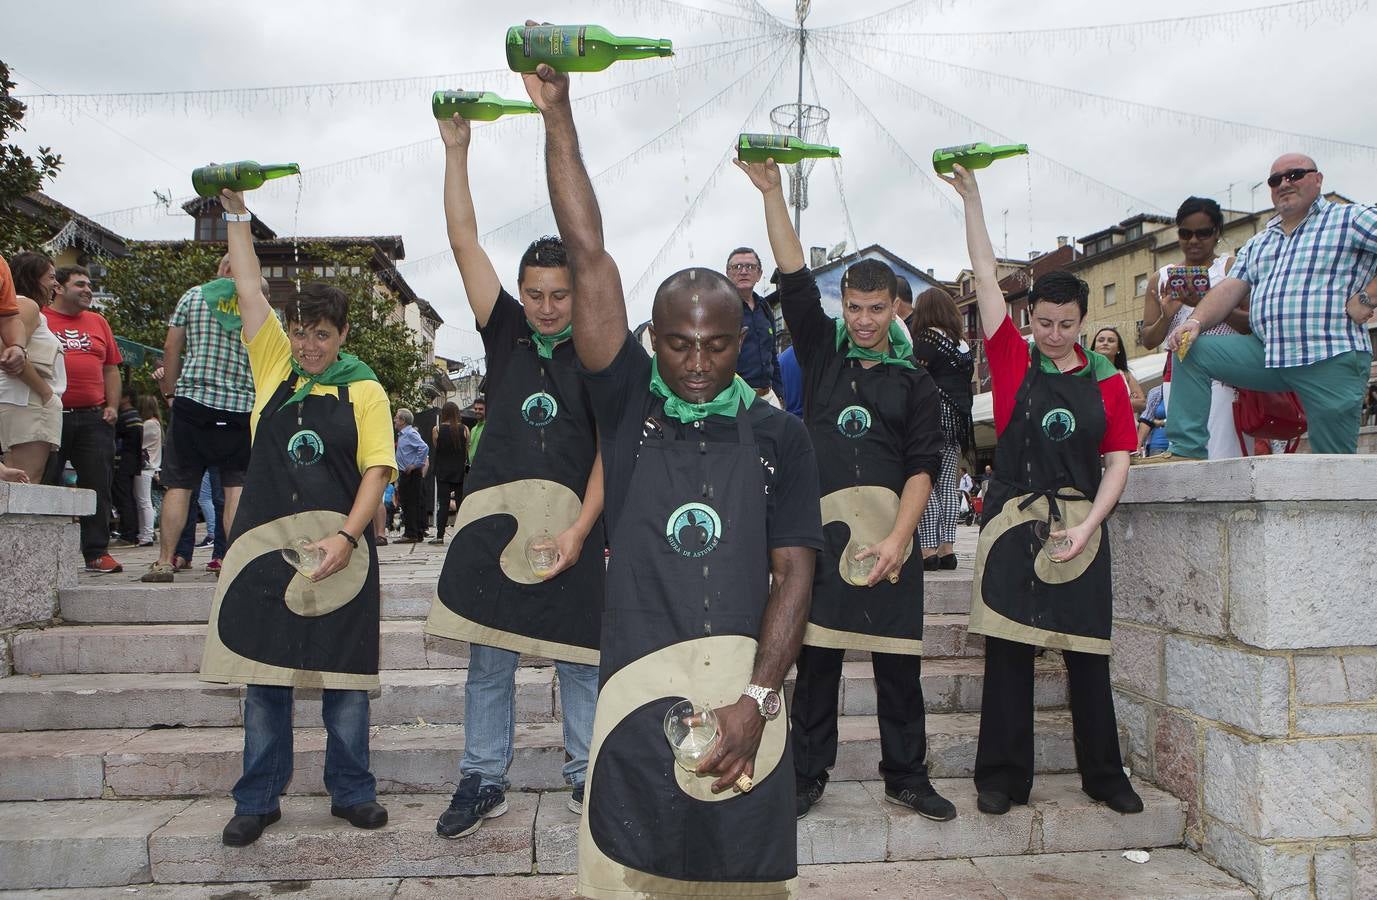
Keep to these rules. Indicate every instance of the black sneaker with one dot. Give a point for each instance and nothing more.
(244, 830)
(923, 800)
(575, 803)
(806, 796)
(469, 807)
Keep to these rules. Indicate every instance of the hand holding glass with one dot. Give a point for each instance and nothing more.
(691, 729)
(1054, 547)
(301, 556)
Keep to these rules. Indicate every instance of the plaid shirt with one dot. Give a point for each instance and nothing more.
(215, 367)
(1300, 283)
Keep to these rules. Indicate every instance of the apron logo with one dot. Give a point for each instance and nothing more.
(693, 530)
(539, 409)
(1059, 424)
(306, 448)
(854, 421)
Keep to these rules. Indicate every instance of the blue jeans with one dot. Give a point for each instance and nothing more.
(490, 715)
(211, 499)
(268, 749)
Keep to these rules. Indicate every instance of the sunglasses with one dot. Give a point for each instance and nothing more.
(1200, 234)
(1290, 175)
(742, 267)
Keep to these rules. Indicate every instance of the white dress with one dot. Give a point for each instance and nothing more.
(1223, 443)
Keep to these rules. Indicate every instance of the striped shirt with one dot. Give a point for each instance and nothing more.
(1301, 282)
(215, 366)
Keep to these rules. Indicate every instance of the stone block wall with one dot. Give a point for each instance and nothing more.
(40, 553)
(1245, 662)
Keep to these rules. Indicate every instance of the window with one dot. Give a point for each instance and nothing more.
(1022, 316)
(1134, 233)
(1111, 294)
(1100, 245)
(1139, 285)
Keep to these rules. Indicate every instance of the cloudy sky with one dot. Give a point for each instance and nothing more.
(911, 77)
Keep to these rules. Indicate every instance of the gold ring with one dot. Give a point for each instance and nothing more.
(744, 784)
(893, 577)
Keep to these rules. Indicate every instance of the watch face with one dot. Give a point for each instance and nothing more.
(771, 704)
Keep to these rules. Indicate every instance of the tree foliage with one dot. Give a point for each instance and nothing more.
(149, 281)
(20, 174)
(375, 335)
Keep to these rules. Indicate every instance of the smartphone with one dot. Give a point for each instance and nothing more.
(1183, 281)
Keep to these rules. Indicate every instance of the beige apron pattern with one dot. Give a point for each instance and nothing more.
(869, 512)
(985, 620)
(707, 670)
(304, 597)
(538, 505)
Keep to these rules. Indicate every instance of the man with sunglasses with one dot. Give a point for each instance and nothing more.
(758, 363)
(1308, 278)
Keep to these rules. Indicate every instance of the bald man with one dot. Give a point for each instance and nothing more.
(713, 523)
(1308, 278)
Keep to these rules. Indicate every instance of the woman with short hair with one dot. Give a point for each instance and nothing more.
(31, 402)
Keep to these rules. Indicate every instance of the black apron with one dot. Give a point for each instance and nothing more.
(857, 423)
(1047, 462)
(687, 588)
(528, 478)
(268, 623)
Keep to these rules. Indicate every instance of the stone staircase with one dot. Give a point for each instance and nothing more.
(117, 762)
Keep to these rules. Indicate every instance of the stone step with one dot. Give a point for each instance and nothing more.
(1171, 874)
(198, 762)
(170, 648)
(435, 696)
(127, 602)
(87, 843)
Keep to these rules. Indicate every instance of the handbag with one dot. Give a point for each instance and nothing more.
(1270, 415)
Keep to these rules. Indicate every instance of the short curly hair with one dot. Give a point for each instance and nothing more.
(544, 253)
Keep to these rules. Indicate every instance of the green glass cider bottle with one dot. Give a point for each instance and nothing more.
(973, 156)
(483, 106)
(238, 176)
(576, 48)
(784, 149)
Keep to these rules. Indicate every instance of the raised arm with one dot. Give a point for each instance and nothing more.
(784, 242)
(248, 278)
(600, 323)
(461, 223)
(993, 309)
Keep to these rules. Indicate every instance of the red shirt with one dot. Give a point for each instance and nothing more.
(88, 347)
(1010, 356)
(8, 305)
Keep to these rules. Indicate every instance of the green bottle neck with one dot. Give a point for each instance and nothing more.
(279, 170)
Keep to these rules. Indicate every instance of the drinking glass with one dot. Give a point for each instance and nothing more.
(1053, 547)
(858, 570)
(542, 553)
(691, 729)
(301, 556)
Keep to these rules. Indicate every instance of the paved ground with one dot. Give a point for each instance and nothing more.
(398, 563)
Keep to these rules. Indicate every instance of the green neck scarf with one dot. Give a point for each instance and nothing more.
(724, 404)
(545, 343)
(223, 303)
(345, 370)
(900, 347)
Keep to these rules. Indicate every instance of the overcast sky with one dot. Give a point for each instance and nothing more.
(1300, 69)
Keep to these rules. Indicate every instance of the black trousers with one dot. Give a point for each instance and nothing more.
(1004, 755)
(444, 490)
(122, 498)
(899, 706)
(89, 444)
(409, 493)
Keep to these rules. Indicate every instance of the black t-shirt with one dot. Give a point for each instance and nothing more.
(621, 399)
(539, 424)
(815, 346)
